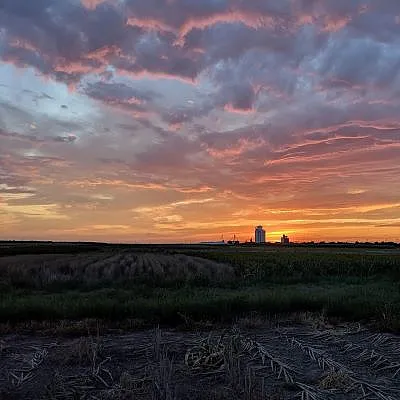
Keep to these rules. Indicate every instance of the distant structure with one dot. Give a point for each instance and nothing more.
(216, 243)
(234, 241)
(259, 234)
(285, 239)
(219, 243)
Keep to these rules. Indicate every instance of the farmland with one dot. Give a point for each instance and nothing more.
(205, 284)
(141, 322)
(270, 361)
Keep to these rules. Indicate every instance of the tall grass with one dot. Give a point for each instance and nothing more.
(294, 266)
(161, 287)
(217, 304)
(93, 271)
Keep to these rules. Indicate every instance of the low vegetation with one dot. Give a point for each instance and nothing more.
(208, 285)
(88, 271)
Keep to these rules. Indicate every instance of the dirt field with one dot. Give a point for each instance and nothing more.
(286, 360)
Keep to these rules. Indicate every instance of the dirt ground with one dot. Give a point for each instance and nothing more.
(287, 360)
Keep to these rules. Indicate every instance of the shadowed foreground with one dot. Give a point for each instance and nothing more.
(311, 360)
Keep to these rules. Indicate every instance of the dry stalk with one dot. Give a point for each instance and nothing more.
(2, 346)
(336, 381)
(256, 349)
(321, 357)
(375, 359)
(163, 386)
(368, 389)
(378, 391)
(24, 374)
(157, 337)
(310, 392)
(206, 354)
(250, 385)
(378, 339)
(128, 387)
(69, 387)
(98, 369)
(131, 384)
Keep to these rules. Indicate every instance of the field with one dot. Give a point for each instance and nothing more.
(304, 358)
(234, 322)
(171, 286)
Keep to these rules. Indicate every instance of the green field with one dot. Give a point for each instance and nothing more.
(173, 285)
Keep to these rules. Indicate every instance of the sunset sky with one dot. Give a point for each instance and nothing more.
(182, 120)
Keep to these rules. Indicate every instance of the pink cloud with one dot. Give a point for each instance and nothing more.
(155, 75)
(334, 24)
(242, 146)
(77, 68)
(150, 24)
(250, 19)
(232, 109)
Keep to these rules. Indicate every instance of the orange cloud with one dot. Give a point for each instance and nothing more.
(118, 183)
(92, 4)
(230, 108)
(334, 24)
(242, 146)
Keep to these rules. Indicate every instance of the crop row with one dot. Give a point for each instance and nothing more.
(98, 269)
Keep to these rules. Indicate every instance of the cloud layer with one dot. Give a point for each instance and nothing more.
(183, 119)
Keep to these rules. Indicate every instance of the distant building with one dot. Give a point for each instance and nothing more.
(285, 239)
(234, 241)
(259, 234)
(221, 242)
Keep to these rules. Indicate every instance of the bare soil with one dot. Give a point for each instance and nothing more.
(308, 360)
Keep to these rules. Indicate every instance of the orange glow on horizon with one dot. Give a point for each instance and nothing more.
(182, 121)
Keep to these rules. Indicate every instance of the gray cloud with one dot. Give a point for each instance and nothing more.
(304, 69)
(67, 41)
(121, 95)
(65, 139)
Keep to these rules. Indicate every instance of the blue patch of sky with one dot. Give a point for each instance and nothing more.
(41, 97)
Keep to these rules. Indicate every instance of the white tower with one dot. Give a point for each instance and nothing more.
(259, 234)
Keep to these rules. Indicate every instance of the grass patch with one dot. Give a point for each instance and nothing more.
(219, 286)
(351, 301)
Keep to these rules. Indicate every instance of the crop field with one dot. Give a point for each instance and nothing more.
(173, 286)
(231, 323)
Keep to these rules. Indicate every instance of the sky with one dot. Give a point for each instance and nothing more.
(185, 120)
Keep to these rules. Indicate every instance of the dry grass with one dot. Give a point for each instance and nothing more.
(252, 320)
(92, 269)
(28, 367)
(316, 320)
(219, 365)
(335, 381)
(347, 379)
(88, 352)
(163, 387)
(208, 354)
(135, 385)
(367, 351)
